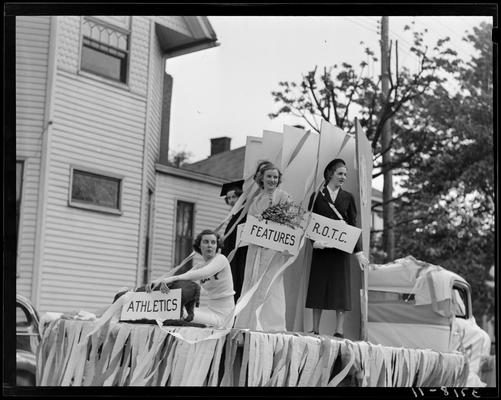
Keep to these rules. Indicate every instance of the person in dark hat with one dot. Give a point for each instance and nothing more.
(231, 192)
(329, 284)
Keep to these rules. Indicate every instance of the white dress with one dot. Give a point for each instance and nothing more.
(216, 292)
(264, 262)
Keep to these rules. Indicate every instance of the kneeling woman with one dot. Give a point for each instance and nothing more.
(214, 276)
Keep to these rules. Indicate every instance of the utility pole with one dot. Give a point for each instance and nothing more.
(388, 215)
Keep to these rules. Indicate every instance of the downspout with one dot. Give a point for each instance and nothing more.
(44, 165)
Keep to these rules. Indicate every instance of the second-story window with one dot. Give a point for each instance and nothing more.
(105, 50)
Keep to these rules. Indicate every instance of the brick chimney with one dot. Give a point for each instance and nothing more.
(219, 145)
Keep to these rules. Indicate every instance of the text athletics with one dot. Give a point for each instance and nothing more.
(152, 305)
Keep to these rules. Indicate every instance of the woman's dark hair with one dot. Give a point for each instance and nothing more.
(198, 240)
(238, 191)
(262, 167)
(331, 168)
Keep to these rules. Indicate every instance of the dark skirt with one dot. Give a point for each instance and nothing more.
(237, 264)
(329, 285)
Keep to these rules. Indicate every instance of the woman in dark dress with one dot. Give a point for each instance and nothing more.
(329, 284)
(232, 191)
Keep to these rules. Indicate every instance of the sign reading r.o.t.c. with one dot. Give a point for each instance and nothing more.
(336, 233)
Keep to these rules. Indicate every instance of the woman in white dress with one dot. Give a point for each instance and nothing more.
(216, 284)
(263, 262)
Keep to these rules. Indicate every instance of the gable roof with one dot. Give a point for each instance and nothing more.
(228, 165)
(175, 43)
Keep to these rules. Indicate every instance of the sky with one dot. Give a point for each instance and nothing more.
(226, 90)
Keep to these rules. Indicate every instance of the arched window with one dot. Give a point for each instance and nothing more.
(105, 50)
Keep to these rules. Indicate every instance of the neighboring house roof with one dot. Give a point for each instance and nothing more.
(190, 175)
(228, 165)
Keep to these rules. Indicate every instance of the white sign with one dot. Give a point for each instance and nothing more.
(154, 305)
(337, 233)
(271, 235)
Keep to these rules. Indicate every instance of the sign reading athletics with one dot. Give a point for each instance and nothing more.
(154, 305)
(271, 235)
(337, 233)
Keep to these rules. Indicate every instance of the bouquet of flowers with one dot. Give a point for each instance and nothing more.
(286, 213)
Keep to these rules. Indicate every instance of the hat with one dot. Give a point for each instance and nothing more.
(331, 164)
(231, 186)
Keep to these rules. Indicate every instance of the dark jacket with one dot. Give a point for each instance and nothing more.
(344, 203)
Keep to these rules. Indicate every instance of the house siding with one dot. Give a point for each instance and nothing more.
(98, 125)
(210, 210)
(84, 256)
(32, 52)
(87, 254)
(152, 141)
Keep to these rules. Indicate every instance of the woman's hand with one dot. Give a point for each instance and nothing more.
(317, 244)
(163, 285)
(363, 262)
(150, 286)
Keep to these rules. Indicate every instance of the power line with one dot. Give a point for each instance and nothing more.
(372, 30)
(436, 27)
(363, 26)
(453, 31)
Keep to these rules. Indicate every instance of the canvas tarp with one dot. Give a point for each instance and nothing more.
(430, 284)
(476, 344)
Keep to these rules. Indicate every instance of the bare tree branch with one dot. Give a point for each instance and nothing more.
(330, 89)
(397, 163)
(327, 97)
(406, 221)
(392, 200)
(309, 81)
(396, 68)
(350, 97)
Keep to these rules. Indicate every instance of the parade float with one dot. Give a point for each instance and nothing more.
(112, 350)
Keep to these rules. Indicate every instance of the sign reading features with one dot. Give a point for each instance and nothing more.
(154, 305)
(271, 235)
(337, 233)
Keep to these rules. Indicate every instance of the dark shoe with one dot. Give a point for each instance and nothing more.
(314, 332)
(339, 335)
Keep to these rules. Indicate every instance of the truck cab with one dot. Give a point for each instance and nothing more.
(415, 304)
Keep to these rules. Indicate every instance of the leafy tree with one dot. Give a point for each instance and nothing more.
(447, 213)
(179, 158)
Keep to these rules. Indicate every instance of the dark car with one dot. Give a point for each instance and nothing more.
(27, 340)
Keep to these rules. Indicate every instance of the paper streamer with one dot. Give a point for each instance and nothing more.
(76, 353)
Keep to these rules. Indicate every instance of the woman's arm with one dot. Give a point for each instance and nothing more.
(213, 267)
(352, 212)
(155, 282)
(352, 220)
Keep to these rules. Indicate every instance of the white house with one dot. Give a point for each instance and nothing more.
(95, 204)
